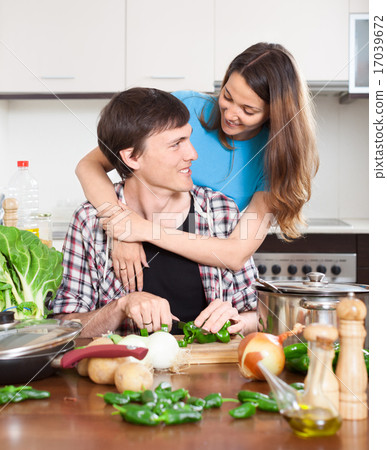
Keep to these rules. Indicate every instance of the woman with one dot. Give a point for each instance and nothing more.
(256, 144)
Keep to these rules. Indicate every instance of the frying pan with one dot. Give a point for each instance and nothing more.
(35, 349)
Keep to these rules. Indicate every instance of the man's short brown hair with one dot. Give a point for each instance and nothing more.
(131, 117)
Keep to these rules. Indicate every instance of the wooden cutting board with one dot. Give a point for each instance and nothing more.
(215, 352)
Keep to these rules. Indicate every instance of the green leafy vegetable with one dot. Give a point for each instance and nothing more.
(30, 273)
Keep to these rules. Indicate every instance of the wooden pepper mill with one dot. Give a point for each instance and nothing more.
(351, 370)
(321, 338)
(10, 206)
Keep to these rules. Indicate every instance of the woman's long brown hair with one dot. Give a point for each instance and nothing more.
(291, 158)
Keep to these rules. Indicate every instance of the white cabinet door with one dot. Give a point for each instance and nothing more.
(62, 46)
(314, 31)
(170, 44)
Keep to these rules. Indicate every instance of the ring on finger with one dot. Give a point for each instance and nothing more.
(122, 268)
(149, 323)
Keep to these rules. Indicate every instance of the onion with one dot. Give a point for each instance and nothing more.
(134, 340)
(263, 347)
(163, 350)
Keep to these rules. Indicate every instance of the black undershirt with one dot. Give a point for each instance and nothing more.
(175, 278)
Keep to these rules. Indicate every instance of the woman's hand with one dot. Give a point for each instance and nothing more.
(216, 315)
(128, 261)
(123, 224)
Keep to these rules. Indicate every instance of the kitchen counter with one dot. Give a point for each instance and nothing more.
(74, 417)
(333, 226)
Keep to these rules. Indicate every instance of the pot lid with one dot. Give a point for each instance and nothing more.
(34, 335)
(315, 285)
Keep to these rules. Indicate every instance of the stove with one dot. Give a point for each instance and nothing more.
(337, 267)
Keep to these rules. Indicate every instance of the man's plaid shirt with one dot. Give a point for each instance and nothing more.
(84, 287)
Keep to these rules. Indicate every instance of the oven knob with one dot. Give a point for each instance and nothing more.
(276, 269)
(292, 269)
(306, 269)
(336, 270)
(261, 269)
(322, 269)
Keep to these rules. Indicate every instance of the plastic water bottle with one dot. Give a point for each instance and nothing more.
(25, 189)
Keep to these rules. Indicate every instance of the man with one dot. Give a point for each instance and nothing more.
(145, 134)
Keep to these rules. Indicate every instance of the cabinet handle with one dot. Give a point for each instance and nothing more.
(167, 77)
(57, 77)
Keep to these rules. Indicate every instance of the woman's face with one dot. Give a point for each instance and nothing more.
(242, 112)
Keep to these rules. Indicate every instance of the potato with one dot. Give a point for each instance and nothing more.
(133, 376)
(82, 366)
(101, 370)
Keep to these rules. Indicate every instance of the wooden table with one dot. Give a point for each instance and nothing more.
(75, 418)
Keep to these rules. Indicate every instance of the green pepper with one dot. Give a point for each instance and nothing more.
(205, 338)
(223, 335)
(366, 355)
(11, 388)
(164, 386)
(178, 395)
(297, 386)
(34, 394)
(190, 330)
(215, 400)
(112, 398)
(115, 338)
(299, 364)
(12, 394)
(149, 396)
(295, 350)
(196, 403)
(243, 411)
(178, 416)
(161, 405)
(138, 414)
(264, 402)
(134, 396)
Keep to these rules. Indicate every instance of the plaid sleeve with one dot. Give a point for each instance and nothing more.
(77, 291)
(236, 285)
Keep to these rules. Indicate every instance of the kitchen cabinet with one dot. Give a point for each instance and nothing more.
(71, 46)
(316, 33)
(170, 44)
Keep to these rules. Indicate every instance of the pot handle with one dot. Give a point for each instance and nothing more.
(318, 305)
(71, 358)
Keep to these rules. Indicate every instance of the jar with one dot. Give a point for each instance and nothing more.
(45, 228)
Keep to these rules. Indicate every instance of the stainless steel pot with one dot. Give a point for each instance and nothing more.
(305, 302)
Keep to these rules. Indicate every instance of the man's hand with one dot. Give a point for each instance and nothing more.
(216, 315)
(146, 310)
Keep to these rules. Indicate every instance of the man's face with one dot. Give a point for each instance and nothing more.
(166, 161)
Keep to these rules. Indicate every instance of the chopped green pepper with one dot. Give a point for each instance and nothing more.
(192, 333)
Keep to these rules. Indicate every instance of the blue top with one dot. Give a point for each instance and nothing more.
(215, 168)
